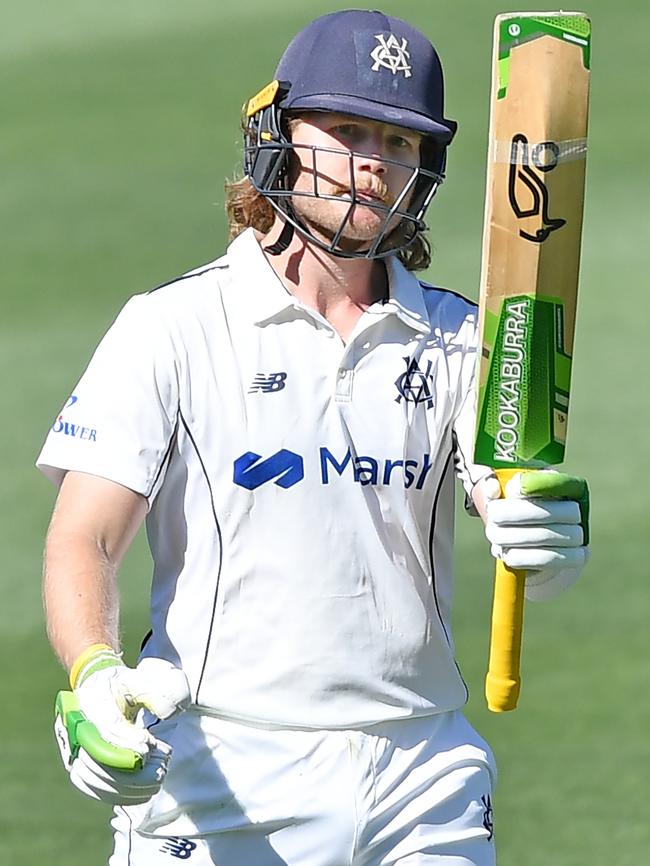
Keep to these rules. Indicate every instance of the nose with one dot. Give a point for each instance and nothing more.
(372, 162)
(373, 158)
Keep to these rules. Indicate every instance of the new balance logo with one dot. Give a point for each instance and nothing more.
(180, 848)
(286, 467)
(488, 816)
(267, 384)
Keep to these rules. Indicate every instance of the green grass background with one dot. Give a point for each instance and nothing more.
(119, 122)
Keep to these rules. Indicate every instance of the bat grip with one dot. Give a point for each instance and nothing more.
(503, 680)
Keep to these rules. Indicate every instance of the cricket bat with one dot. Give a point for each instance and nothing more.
(529, 274)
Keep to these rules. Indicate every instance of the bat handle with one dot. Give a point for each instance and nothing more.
(503, 680)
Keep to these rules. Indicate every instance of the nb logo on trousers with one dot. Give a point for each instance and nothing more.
(180, 848)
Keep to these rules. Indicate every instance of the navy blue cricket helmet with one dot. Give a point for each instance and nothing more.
(365, 64)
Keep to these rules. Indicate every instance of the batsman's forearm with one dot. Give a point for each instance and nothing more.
(79, 594)
(93, 524)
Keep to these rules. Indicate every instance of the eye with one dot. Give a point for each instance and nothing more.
(350, 131)
(400, 142)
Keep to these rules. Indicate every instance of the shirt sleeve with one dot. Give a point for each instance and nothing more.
(120, 420)
(467, 471)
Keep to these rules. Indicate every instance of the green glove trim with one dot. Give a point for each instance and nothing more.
(83, 734)
(559, 485)
(96, 662)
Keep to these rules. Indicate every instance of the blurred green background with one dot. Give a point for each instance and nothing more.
(119, 124)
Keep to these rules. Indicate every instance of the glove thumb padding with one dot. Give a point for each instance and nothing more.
(156, 685)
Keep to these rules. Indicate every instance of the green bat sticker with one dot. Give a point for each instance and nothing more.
(524, 401)
(516, 30)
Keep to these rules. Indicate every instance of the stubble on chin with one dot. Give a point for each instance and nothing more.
(324, 218)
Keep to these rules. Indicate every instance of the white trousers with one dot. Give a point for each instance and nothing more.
(400, 793)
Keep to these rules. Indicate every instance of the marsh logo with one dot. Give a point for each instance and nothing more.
(284, 467)
(527, 191)
(374, 471)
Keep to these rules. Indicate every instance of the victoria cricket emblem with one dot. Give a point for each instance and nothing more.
(390, 54)
(414, 385)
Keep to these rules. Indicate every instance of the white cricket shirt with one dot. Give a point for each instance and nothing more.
(301, 489)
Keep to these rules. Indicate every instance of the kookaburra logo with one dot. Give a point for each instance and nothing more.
(526, 184)
(414, 385)
(391, 55)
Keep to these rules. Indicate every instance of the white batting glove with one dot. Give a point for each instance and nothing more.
(541, 526)
(130, 784)
(104, 744)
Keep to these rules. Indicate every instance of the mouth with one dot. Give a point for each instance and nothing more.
(371, 197)
(364, 195)
(368, 195)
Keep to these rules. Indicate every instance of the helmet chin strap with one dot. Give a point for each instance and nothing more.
(283, 241)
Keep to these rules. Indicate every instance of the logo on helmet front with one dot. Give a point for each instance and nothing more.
(391, 55)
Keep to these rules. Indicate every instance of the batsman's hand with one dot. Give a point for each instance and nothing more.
(540, 526)
(105, 746)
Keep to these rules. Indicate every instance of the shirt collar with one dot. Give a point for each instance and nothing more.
(267, 293)
(406, 296)
(269, 297)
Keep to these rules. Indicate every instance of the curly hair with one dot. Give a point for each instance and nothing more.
(246, 208)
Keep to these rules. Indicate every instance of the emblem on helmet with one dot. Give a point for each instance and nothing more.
(391, 55)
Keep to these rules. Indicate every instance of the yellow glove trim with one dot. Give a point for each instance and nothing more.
(84, 658)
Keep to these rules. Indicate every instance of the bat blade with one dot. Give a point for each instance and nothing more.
(532, 233)
(529, 275)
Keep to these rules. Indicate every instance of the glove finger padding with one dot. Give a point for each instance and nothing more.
(116, 786)
(556, 535)
(540, 527)
(533, 511)
(548, 561)
(549, 483)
